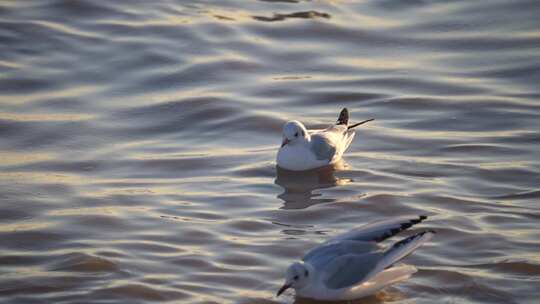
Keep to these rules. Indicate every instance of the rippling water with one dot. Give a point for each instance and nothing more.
(138, 140)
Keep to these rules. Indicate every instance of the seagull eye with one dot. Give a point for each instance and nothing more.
(295, 278)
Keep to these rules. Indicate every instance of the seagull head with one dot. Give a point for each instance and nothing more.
(297, 276)
(293, 133)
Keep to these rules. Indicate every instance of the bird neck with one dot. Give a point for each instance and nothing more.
(311, 283)
(313, 274)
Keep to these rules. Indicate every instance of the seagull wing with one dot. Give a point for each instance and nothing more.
(330, 142)
(351, 269)
(321, 255)
(322, 147)
(379, 231)
(402, 249)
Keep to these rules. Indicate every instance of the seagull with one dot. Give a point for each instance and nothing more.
(352, 265)
(304, 149)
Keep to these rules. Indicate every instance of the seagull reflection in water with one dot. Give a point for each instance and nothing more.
(299, 187)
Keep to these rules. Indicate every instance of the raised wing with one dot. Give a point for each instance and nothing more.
(351, 269)
(379, 231)
(325, 253)
(406, 246)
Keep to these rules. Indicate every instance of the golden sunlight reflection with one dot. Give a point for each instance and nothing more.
(45, 117)
(18, 227)
(63, 28)
(229, 56)
(441, 161)
(368, 21)
(11, 65)
(379, 298)
(43, 177)
(74, 91)
(156, 97)
(528, 34)
(454, 134)
(92, 211)
(374, 63)
(10, 158)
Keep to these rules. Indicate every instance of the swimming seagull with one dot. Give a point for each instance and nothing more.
(304, 149)
(351, 265)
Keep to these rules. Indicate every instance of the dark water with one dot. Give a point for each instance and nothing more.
(138, 138)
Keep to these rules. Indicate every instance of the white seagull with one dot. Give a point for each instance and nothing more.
(352, 265)
(304, 149)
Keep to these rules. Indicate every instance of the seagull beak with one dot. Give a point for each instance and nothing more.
(282, 289)
(285, 141)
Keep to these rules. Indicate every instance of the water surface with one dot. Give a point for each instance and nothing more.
(138, 141)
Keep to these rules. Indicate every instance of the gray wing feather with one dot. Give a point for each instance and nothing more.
(380, 230)
(399, 251)
(322, 147)
(326, 143)
(405, 247)
(351, 269)
(324, 254)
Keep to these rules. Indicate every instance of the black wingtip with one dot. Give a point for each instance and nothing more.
(418, 220)
(402, 227)
(404, 242)
(343, 118)
(411, 238)
(407, 240)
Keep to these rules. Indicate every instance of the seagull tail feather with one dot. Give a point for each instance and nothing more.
(343, 118)
(360, 123)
